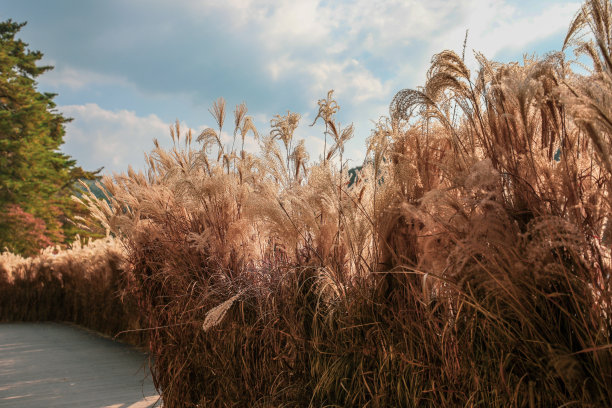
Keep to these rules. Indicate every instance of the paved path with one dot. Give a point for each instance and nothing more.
(57, 365)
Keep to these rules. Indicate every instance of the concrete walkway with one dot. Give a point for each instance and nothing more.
(57, 365)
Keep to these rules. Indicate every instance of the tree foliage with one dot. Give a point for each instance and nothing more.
(36, 179)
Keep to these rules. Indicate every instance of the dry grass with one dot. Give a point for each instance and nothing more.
(82, 284)
(468, 266)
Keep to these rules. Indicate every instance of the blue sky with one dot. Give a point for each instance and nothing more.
(126, 69)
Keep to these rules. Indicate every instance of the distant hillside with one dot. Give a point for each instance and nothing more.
(97, 191)
(354, 175)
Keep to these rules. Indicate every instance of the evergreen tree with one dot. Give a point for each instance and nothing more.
(36, 179)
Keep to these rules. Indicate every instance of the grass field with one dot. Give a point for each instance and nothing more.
(467, 265)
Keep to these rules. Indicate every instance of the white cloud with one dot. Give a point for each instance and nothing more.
(277, 22)
(281, 66)
(77, 79)
(296, 22)
(350, 80)
(497, 26)
(365, 50)
(314, 41)
(383, 27)
(113, 139)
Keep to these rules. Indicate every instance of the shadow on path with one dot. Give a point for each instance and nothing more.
(57, 365)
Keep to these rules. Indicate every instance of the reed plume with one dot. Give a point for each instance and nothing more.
(466, 263)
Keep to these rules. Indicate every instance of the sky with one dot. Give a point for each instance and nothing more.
(125, 70)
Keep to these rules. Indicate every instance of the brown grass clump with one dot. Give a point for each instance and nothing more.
(82, 284)
(468, 265)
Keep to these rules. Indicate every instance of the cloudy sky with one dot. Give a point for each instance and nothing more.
(126, 69)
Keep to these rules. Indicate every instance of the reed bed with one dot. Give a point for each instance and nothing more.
(82, 284)
(468, 265)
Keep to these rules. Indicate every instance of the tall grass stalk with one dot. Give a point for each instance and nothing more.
(468, 265)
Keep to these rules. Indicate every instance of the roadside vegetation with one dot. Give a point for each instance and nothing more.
(467, 263)
(36, 179)
(82, 284)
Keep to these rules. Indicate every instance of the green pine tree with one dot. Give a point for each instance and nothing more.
(36, 179)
